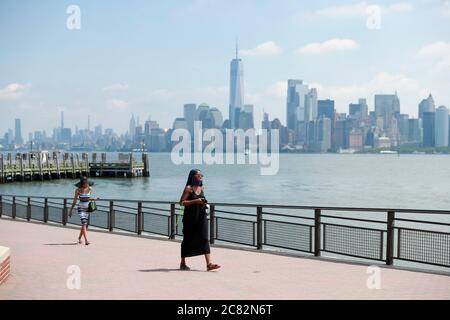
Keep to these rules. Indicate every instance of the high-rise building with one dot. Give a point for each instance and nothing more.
(62, 119)
(326, 108)
(441, 127)
(426, 105)
(18, 132)
(311, 105)
(359, 110)
(246, 117)
(403, 128)
(414, 132)
(132, 127)
(236, 89)
(189, 116)
(429, 131)
(296, 98)
(387, 107)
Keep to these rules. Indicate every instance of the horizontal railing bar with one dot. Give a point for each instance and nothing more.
(421, 221)
(120, 211)
(352, 219)
(353, 255)
(157, 209)
(124, 207)
(287, 248)
(423, 262)
(288, 222)
(156, 214)
(234, 219)
(286, 215)
(237, 213)
(422, 230)
(353, 227)
(252, 205)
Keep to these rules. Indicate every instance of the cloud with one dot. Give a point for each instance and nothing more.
(438, 54)
(357, 10)
(116, 104)
(328, 46)
(268, 48)
(14, 91)
(116, 87)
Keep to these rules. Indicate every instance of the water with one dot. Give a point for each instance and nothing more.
(408, 181)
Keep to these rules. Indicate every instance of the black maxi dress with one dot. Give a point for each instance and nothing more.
(195, 229)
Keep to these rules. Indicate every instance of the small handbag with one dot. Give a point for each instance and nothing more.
(92, 206)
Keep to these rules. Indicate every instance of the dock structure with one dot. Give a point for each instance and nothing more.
(35, 166)
(126, 166)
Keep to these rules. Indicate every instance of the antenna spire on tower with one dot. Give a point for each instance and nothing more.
(237, 49)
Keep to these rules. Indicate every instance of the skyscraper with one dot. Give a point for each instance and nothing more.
(296, 98)
(62, 119)
(132, 127)
(429, 131)
(426, 105)
(189, 116)
(236, 89)
(441, 126)
(18, 132)
(387, 106)
(311, 105)
(326, 108)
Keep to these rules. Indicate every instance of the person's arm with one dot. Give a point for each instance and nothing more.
(185, 195)
(92, 198)
(74, 202)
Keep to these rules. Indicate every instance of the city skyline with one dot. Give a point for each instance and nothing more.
(159, 58)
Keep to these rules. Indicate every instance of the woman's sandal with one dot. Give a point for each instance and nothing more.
(184, 267)
(87, 243)
(212, 266)
(79, 241)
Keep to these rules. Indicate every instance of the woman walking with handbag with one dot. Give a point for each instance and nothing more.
(195, 222)
(86, 204)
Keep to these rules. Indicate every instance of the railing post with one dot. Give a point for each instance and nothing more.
(173, 222)
(317, 232)
(1, 206)
(45, 210)
(139, 217)
(13, 213)
(29, 209)
(111, 216)
(259, 228)
(212, 223)
(390, 238)
(64, 212)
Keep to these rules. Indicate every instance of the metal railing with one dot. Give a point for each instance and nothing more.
(372, 234)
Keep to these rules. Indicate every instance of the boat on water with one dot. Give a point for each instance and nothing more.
(388, 152)
(346, 151)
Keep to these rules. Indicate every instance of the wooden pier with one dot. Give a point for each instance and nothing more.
(45, 166)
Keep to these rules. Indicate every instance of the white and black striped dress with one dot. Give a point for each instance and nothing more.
(83, 205)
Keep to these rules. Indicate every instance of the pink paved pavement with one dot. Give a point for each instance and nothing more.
(123, 267)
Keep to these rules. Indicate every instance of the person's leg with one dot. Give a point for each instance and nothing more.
(81, 234)
(85, 234)
(208, 259)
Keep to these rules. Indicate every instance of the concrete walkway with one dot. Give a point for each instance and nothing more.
(122, 267)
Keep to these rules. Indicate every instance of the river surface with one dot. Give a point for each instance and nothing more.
(366, 180)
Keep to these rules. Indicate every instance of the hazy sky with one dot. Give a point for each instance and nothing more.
(151, 57)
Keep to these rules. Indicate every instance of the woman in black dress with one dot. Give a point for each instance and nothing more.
(195, 222)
